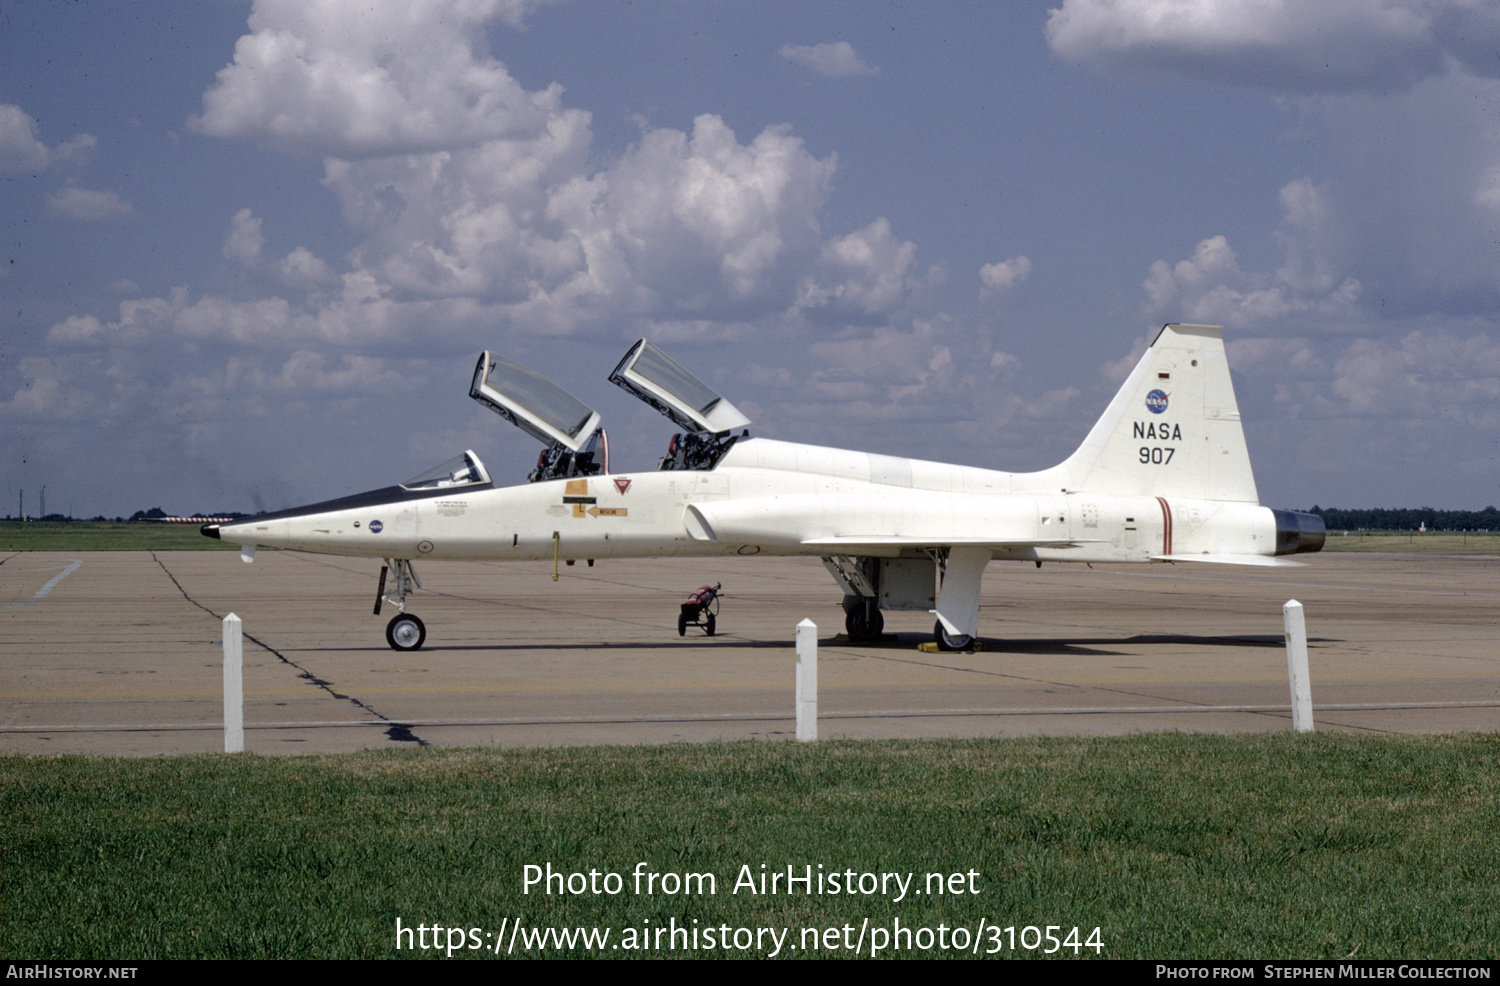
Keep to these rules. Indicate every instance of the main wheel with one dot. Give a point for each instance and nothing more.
(708, 624)
(948, 641)
(405, 632)
(863, 619)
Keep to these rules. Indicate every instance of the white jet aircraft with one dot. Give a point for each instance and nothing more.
(1164, 476)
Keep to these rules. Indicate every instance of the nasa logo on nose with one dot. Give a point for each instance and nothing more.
(375, 526)
(1156, 402)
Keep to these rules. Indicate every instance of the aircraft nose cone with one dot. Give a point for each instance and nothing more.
(209, 531)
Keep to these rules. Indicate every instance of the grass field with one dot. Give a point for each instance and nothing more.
(1405, 541)
(92, 535)
(1173, 846)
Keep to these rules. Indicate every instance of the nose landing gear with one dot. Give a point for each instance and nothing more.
(404, 632)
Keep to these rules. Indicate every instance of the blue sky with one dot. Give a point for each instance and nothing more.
(253, 250)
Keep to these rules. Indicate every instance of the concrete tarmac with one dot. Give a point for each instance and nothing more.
(121, 653)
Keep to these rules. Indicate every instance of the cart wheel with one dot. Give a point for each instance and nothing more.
(709, 625)
(682, 624)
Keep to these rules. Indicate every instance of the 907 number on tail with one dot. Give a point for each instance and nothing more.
(1156, 455)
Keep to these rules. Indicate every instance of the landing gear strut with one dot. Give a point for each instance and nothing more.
(405, 631)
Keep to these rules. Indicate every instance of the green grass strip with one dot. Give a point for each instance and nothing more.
(1444, 542)
(1175, 846)
(93, 535)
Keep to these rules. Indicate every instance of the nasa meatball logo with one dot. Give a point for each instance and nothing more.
(1156, 402)
(375, 526)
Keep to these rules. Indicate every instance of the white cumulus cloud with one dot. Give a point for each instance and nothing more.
(997, 278)
(837, 59)
(864, 275)
(87, 204)
(1210, 287)
(298, 269)
(329, 77)
(20, 148)
(1285, 46)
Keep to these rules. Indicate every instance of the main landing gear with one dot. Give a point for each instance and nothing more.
(949, 641)
(405, 631)
(863, 619)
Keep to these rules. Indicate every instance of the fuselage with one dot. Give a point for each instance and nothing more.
(771, 497)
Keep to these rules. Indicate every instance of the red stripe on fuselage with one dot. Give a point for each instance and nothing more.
(1166, 526)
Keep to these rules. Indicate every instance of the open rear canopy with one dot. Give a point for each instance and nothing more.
(651, 375)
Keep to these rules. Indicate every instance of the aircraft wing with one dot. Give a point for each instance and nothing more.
(846, 524)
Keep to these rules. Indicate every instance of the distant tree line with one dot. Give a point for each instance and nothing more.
(155, 513)
(1408, 519)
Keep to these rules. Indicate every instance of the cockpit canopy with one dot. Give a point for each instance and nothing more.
(459, 471)
(656, 378)
(532, 403)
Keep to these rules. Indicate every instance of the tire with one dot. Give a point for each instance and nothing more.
(708, 625)
(863, 619)
(405, 632)
(947, 641)
(682, 625)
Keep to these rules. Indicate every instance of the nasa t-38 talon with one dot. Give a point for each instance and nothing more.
(1164, 476)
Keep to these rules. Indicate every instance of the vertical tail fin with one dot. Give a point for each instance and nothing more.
(1173, 430)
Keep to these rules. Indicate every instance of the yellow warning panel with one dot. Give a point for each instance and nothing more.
(576, 487)
(578, 510)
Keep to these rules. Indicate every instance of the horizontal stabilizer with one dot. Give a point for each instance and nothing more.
(846, 544)
(1264, 560)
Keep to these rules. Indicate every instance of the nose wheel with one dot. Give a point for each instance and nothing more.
(405, 632)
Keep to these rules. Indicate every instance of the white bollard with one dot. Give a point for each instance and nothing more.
(807, 681)
(1296, 666)
(234, 686)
